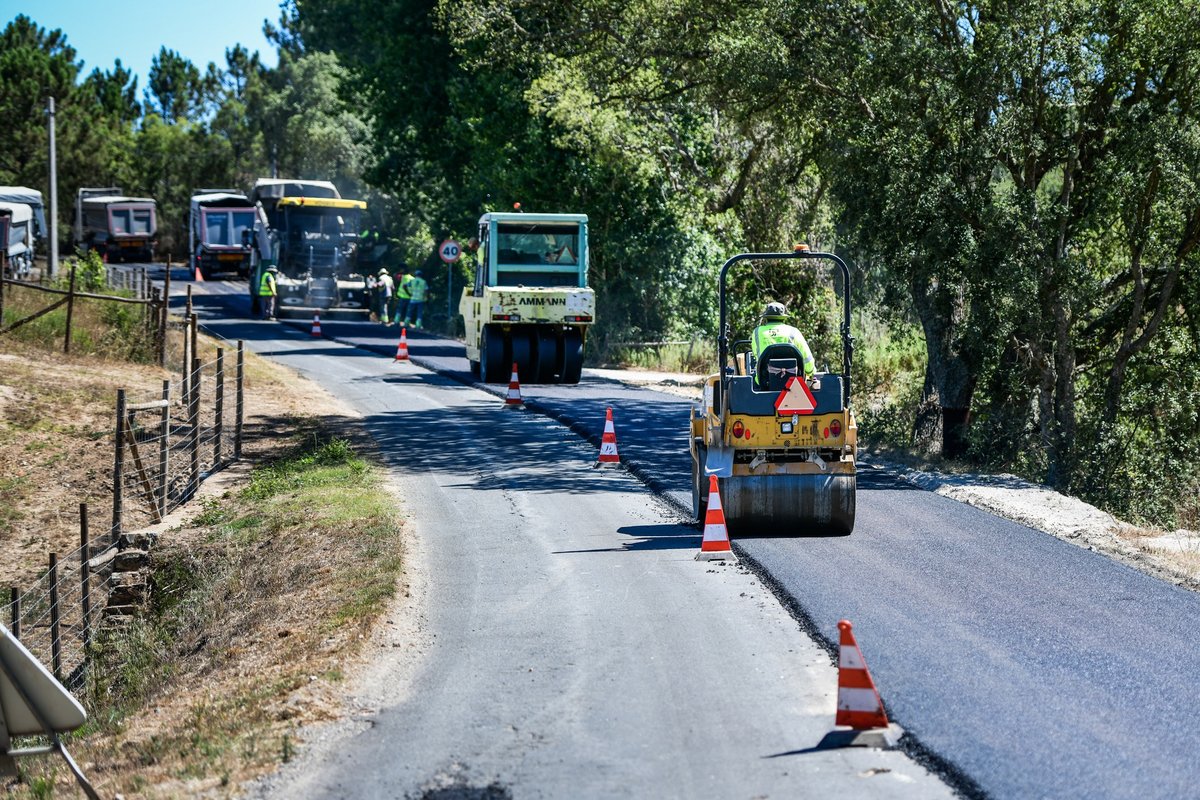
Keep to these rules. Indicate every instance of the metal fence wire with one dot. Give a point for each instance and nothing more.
(165, 443)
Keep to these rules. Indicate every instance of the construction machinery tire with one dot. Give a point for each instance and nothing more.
(522, 354)
(699, 484)
(571, 361)
(492, 368)
(475, 369)
(789, 505)
(545, 355)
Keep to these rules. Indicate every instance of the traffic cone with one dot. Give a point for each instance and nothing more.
(402, 348)
(198, 276)
(715, 544)
(858, 703)
(608, 442)
(316, 328)
(514, 391)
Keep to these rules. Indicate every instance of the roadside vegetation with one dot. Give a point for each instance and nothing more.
(1016, 187)
(101, 329)
(258, 604)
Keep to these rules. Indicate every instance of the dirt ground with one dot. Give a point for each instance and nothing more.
(56, 443)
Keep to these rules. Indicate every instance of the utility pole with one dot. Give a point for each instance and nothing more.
(53, 196)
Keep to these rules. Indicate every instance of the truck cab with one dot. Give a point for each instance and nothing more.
(529, 302)
(217, 232)
(120, 228)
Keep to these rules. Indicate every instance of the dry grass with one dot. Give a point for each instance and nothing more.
(257, 604)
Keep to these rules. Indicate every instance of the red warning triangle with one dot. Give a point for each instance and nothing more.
(796, 398)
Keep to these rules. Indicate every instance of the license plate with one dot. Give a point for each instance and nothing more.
(229, 257)
(132, 244)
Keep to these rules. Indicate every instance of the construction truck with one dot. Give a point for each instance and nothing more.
(782, 445)
(529, 303)
(221, 232)
(308, 231)
(22, 223)
(120, 228)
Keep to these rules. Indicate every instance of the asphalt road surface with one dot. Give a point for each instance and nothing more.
(1025, 665)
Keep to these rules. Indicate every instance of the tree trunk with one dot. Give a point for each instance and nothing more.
(943, 417)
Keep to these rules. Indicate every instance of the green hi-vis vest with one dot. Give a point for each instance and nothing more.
(781, 333)
(417, 287)
(402, 288)
(266, 287)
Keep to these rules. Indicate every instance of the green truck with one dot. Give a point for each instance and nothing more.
(529, 303)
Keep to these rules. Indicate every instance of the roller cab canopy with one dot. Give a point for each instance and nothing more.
(31, 198)
(534, 250)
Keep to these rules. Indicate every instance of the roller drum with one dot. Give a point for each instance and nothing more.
(789, 505)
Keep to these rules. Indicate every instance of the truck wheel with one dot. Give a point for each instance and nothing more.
(699, 484)
(571, 365)
(491, 356)
(546, 355)
(475, 371)
(522, 354)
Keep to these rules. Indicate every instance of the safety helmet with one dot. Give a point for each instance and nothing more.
(417, 273)
(383, 270)
(775, 311)
(272, 268)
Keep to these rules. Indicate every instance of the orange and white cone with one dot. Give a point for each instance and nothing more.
(402, 348)
(316, 328)
(513, 400)
(608, 442)
(858, 703)
(715, 544)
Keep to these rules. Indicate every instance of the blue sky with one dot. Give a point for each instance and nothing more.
(198, 29)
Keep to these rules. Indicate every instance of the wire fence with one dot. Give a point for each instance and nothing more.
(164, 444)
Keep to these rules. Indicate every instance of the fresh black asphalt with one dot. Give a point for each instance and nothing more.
(1031, 666)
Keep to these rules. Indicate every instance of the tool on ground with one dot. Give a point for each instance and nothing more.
(608, 442)
(513, 400)
(783, 443)
(316, 328)
(402, 347)
(715, 544)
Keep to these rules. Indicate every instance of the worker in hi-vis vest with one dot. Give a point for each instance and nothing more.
(417, 288)
(773, 330)
(403, 295)
(268, 291)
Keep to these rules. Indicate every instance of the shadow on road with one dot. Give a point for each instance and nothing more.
(649, 537)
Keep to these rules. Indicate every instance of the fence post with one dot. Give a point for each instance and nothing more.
(166, 312)
(164, 448)
(15, 605)
(70, 311)
(85, 573)
(194, 417)
(195, 334)
(241, 408)
(118, 466)
(219, 408)
(55, 642)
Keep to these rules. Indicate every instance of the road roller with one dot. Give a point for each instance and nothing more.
(783, 445)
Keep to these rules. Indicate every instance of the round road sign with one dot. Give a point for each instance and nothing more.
(450, 251)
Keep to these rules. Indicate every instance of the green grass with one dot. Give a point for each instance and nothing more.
(242, 614)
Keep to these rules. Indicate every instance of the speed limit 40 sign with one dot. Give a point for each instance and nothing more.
(450, 251)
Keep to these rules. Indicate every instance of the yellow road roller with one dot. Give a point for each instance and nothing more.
(782, 444)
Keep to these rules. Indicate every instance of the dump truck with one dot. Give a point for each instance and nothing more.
(529, 302)
(22, 224)
(310, 232)
(120, 228)
(221, 232)
(783, 446)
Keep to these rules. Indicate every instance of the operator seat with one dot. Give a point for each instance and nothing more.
(776, 364)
